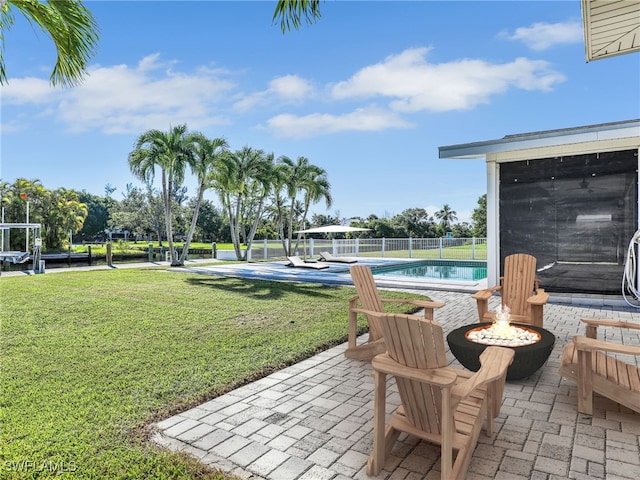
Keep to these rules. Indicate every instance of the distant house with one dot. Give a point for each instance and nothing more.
(569, 197)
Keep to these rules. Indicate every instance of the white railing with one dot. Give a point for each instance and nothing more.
(427, 248)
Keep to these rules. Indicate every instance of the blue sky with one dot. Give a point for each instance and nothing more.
(368, 93)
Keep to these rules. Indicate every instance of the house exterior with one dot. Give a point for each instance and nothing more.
(569, 197)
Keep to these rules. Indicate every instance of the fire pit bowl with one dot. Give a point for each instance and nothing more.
(527, 360)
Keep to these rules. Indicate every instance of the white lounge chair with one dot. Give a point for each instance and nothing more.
(327, 257)
(297, 262)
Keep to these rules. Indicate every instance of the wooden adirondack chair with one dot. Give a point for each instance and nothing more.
(368, 299)
(440, 404)
(592, 365)
(519, 289)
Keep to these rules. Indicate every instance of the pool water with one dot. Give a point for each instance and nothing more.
(436, 269)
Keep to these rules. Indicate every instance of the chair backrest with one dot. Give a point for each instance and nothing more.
(295, 260)
(326, 255)
(417, 343)
(366, 288)
(369, 296)
(518, 282)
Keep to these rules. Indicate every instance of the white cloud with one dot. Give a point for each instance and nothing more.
(291, 86)
(121, 99)
(286, 88)
(21, 91)
(542, 36)
(127, 99)
(124, 99)
(415, 85)
(362, 120)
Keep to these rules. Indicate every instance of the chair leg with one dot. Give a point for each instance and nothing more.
(377, 458)
(353, 323)
(536, 315)
(483, 308)
(490, 401)
(495, 394)
(585, 383)
(446, 447)
(428, 313)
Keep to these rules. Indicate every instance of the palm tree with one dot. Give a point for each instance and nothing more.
(291, 12)
(63, 212)
(243, 180)
(293, 179)
(316, 188)
(446, 216)
(69, 24)
(290, 176)
(205, 161)
(171, 152)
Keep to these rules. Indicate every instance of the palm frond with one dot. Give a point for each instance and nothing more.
(291, 13)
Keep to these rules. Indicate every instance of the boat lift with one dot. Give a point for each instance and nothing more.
(16, 257)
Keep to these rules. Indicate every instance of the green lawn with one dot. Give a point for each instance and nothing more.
(89, 359)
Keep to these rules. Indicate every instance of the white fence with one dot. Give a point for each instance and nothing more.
(427, 248)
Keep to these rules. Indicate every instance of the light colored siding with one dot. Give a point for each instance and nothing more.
(612, 27)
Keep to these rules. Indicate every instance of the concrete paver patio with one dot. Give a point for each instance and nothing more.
(313, 420)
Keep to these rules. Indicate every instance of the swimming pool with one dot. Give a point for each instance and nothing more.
(436, 269)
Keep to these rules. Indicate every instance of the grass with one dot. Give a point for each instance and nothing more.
(91, 358)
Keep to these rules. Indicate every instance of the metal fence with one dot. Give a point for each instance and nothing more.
(427, 248)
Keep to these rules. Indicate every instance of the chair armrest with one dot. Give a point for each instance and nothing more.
(486, 293)
(540, 298)
(434, 376)
(376, 314)
(418, 303)
(494, 362)
(598, 322)
(362, 310)
(594, 323)
(591, 345)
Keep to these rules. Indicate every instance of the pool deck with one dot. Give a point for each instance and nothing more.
(313, 420)
(338, 274)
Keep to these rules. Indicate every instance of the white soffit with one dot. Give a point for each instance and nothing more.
(611, 27)
(625, 133)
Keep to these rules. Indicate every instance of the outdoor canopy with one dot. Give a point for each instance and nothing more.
(333, 229)
(328, 229)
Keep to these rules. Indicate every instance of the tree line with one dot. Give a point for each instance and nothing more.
(260, 196)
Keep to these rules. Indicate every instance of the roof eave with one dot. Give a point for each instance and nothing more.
(607, 131)
(611, 27)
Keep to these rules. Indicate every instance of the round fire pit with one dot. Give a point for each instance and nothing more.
(527, 360)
